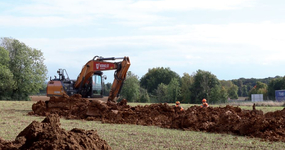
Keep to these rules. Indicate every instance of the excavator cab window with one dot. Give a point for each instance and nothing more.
(96, 85)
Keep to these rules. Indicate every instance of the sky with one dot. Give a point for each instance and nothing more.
(230, 38)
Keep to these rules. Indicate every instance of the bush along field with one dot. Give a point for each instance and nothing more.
(158, 126)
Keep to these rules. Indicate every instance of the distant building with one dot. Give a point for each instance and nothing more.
(257, 97)
(280, 95)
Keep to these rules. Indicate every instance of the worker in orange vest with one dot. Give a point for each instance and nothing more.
(204, 103)
(178, 105)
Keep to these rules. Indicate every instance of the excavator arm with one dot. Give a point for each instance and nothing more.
(119, 78)
(101, 64)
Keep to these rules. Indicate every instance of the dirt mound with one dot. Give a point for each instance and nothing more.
(74, 107)
(48, 135)
(233, 120)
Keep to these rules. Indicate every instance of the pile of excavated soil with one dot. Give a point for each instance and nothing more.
(48, 135)
(232, 120)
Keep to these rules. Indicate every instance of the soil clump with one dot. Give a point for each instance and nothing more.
(48, 135)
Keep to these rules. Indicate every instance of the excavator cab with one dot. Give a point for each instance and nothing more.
(97, 85)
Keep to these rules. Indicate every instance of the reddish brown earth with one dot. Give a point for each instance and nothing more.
(48, 135)
(229, 119)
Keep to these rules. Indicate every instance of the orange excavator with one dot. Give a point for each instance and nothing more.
(89, 83)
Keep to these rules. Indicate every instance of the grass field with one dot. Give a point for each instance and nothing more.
(14, 119)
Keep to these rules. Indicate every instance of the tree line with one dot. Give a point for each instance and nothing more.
(165, 86)
(23, 73)
(266, 86)
(162, 85)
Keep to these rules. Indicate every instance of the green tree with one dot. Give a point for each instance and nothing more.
(223, 95)
(6, 76)
(215, 95)
(231, 88)
(156, 76)
(201, 88)
(173, 90)
(245, 90)
(186, 82)
(239, 86)
(131, 88)
(233, 92)
(27, 66)
(161, 93)
(144, 97)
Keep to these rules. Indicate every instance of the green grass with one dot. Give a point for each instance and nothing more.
(14, 119)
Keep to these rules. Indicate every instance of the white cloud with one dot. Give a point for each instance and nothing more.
(54, 13)
(76, 7)
(228, 40)
(186, 5)
(266, 35)
(42, 22)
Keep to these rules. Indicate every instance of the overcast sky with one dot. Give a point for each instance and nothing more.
(229, 38)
